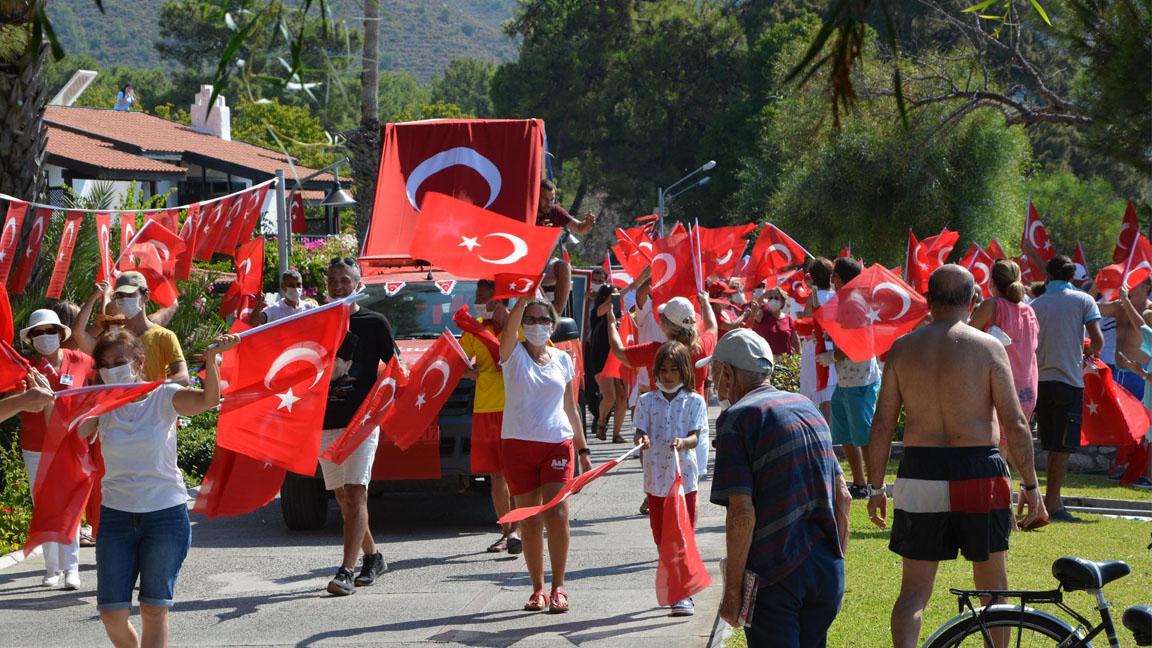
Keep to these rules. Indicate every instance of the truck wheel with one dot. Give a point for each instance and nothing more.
(303, 502)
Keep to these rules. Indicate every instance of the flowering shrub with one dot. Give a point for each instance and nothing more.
(310, 256)
(15, 496)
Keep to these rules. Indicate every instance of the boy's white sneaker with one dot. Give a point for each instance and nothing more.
(51, 580)
(72, 580)
(684, 607)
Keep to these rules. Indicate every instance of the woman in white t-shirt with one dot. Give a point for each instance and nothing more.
(144, 529)
(536, 440)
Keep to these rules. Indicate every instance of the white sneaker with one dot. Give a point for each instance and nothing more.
(72, 580)
(684, 607)
(51, 580)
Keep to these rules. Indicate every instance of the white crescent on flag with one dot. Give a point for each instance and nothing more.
(36, 236)
(519, 249)
(459, 156)
(309, 352)
(985, 275)
(905, 299)
(783, 249)
(669, 268)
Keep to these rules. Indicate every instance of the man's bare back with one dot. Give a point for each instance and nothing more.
(946, 377)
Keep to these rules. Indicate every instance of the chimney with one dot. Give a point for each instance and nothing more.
(218, 122)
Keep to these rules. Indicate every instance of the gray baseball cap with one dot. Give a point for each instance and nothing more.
(744, 349)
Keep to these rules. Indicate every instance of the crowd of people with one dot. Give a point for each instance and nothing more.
(997, 364)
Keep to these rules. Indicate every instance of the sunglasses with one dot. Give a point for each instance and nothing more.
(342, 261)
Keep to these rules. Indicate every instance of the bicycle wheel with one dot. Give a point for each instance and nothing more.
(1025, 629)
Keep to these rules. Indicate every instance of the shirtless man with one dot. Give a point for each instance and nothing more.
(1128, 339)
(953, 382)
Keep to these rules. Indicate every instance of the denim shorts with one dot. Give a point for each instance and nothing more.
(151, 546)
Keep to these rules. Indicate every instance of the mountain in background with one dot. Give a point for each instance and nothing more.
(416, 36)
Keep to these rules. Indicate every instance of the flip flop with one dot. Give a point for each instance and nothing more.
(500, 546)
(559, 603)
(537, 602)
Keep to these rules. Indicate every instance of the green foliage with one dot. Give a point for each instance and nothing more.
(294, 126)
(310, 257)
(15, 495)
(787, 374)
(465, 83)
(195, 446)
(1074, 209)
(434, 110)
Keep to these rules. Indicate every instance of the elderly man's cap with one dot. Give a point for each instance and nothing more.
(130, 282)
(743, 349)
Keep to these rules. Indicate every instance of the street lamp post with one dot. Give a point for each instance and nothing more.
(664, 195)
(336, 198)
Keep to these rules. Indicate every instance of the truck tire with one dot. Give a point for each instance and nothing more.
(303, 503)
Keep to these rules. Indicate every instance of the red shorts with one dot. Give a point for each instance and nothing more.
(486, 442)
(656, 513)
(531, 464)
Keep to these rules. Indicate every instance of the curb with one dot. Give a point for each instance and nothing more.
(17, 557)
(720, 632)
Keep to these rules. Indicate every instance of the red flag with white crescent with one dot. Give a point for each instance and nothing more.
(634, 254)
(296, 211)
(673, 272)
(18, 280)
(1139, 264)
(570, 488)
(514, 285)
(232, 231)
(188, 234)
(1128, 231)
(67, 469)
(370, 414)
(680, 571)
(1034, 241)
(240, 298)
(430, 383)
(211, 227)
(939, 247)
(722, 247)
(996, 251)
(977, 261)
(277, 380)
(253, 210)
(68, 236)
(1111, 415)
(154, 252)
(774, 251)
(794, 285)
(128, 229)
(916, 268)
(470, 241)
(169, 218)
(870, 312)
(105, 271)
(10, 236)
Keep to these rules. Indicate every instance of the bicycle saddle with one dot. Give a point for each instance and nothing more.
(1138, 619)
(1080, 574)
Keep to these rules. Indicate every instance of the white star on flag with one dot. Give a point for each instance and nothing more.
(287, 400)
(511, 286)
(468, 242)
(420, 400)
(1093, 408)
(873, 315)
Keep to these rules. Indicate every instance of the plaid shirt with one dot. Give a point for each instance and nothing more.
(776, 447)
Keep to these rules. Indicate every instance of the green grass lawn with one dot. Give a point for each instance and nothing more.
(873, 572)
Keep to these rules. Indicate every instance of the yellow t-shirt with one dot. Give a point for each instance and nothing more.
(490, 384)
(161, 349)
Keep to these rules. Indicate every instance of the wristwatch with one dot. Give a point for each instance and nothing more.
(584, 451)
(1029, 487)
(873, 491)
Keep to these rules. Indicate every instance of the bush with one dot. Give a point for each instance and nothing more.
(787, 374)
(15, 497)
(195, 446)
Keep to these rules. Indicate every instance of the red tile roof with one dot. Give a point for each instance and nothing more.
(158, 136)
(74, 147)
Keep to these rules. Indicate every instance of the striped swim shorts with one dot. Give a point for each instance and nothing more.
(949, 500)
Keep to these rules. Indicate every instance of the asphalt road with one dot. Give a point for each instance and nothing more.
(250, 582)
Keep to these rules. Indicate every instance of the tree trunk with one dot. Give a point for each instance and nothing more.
(364, 142)
(23, 135)
(578, 199)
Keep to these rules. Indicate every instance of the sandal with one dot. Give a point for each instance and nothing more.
(616, 438)
(602, 431)
(559, 601)
(500, 546)
(537, 602)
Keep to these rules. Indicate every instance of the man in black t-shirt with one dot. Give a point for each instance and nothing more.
(367, 343)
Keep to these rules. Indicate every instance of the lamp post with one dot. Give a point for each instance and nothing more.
(664, 194)
(337, 197)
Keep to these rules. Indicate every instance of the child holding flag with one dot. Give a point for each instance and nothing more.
(669, 421)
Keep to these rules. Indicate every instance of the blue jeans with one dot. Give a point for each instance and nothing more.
(797, 611)
(149, 545)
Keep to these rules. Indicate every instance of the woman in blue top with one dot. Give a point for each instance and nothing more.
(125, 99)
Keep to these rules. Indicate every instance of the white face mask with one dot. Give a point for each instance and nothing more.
(595, 287)
(130, 306)
(670, 389)
(482, 310)
(47, 343)
(537, 334)
(118, 375)
(292, 294)
(774, 304)
(756, 292)
(739, 299)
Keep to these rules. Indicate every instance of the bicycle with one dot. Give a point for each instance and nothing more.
(1028, 626)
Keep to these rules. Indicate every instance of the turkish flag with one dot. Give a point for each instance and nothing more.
(634, 254)
(492, 163)
(1128, 231)
(1029, 271)
(370, 414)
(469, 241)
(794, 285)
(513, 285)
(774, 251)
(253, 210)
(940, 246)
(188, 235)
(979, 263)
(995, 251)
(208, 227)
(672, 269)
(128, 229)
(1139, 264)
(105, 270)
(1112, 416)
(870, 312)
(1081, 262)
(916, 268)
(722, 247)
(277, 380)
(7, 323)
(570, 488)
(154, 252)
(680, 571)
(296, 212)
(1108, 280)
(13, 366)
(240, 298)
(232, 231)
(169, 218)
(67, 469)
(18, 281)
(430, 383)
(10, 236)
(237, 484)
(68, 237)
(1034, 241)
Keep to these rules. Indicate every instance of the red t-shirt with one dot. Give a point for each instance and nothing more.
(76, 368)
(644, 355)
(557, 216)
(776, 331)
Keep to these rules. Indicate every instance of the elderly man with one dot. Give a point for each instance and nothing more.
(953, 492)
(787, 501)
(290, 303)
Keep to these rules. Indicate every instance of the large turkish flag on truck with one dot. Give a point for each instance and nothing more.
(493, 163)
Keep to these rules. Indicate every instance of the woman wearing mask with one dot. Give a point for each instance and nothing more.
(64, 369)
(771, 322)
(144, 529)
(613, 393)
(537, 436)
(1017, 326)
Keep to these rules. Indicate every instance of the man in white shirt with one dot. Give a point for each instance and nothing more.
(290, 302)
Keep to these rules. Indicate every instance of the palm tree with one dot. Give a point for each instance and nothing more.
(23, 136)
(364, 142)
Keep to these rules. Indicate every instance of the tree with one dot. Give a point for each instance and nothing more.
(364, 142)
(271, 124)
(23, 140)
(1077, 210)
(465, 83)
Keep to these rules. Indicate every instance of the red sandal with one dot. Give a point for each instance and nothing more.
(559, 601)
(537, 602)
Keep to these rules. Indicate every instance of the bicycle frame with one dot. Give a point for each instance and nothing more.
(1051, 597)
